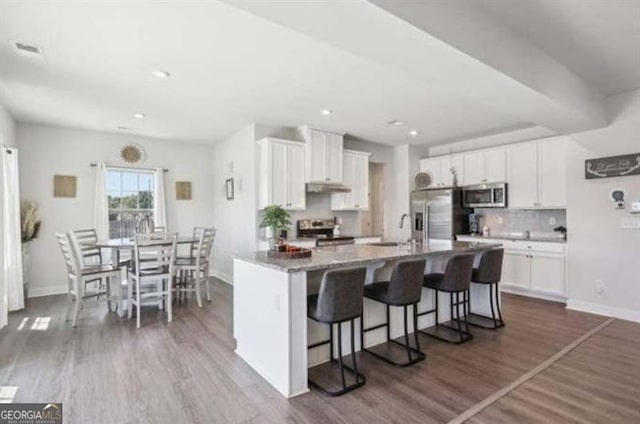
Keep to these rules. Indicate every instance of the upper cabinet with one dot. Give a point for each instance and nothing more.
(485, 166)
(440, 169)
(281, 171)
(536, 174)
(323, 155)
(355, 174)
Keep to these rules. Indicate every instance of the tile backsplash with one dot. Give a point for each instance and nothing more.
(540, 222)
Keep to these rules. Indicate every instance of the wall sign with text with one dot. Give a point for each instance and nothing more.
(612, 166)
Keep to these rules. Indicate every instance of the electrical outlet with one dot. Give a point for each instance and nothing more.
(599, 286)
(552, 220)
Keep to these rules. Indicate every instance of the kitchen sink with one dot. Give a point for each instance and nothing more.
(384, 244)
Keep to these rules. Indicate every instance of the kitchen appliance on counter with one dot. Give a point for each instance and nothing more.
(485, 196)
(474, 223)
(322, 230)
(438, 214)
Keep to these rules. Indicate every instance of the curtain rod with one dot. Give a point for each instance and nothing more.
(129, 167)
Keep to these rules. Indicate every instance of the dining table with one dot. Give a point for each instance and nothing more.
(117, 246)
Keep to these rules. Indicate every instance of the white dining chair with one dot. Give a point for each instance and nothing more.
(153, 272)
(80, 276)
(195, 270)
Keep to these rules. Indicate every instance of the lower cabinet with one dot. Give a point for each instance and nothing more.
(532, 268)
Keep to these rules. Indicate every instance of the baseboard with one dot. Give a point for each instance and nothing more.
(47, 291)
(610, 311)
(531, 293)
(222, 276)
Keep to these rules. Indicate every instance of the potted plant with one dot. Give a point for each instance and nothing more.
(276, 219)
(30, 227)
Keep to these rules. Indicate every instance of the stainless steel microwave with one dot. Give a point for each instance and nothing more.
(485, 196)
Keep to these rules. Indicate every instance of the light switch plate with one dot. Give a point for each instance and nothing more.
(635, 207)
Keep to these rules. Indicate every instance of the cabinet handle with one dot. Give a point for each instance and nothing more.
(327, 179)
(357, 206)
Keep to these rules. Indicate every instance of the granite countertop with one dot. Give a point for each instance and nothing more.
(515, 238)
(311, 239)
(359, 254)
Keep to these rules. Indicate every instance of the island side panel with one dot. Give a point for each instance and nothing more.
(266, 336)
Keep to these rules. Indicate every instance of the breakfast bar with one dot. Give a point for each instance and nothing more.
(270, 322)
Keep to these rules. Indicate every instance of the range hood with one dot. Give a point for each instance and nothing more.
(327, 188)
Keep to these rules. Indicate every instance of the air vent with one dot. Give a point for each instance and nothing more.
(28, 50)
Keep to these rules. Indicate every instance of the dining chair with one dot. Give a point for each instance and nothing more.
(86, 240)
(195, 269)
(80, 275)
(153, 271)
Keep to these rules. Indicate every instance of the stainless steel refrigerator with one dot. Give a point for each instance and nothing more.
(438, 214)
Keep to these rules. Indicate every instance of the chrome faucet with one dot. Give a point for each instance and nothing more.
(404, 215)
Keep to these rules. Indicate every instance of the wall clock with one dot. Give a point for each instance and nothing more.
(132, 153)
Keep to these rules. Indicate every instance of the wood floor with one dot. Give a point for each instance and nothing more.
(106, 371)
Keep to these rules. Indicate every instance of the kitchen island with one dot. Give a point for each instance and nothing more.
(270, 322)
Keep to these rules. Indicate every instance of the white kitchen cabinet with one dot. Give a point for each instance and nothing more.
(516, 269)
(281, 167)
(485, 166)
(552, 181)
(522, 175)
(531, 268)
(439, 170)
(536, 174)
(495, 165)
(547, 273)
(356, 177)
(323, 155)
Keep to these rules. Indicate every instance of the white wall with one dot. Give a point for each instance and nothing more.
(47, 150)
(234, 158)
(598, 247)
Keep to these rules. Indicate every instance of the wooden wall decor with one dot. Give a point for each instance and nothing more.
(64, 186)
(183, 190)
(612, 166)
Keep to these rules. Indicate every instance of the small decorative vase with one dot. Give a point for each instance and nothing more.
(26, 266)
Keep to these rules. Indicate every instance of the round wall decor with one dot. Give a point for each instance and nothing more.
(132, 153)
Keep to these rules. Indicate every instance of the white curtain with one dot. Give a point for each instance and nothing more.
(159, 208)
(12, 290)
(101, 203)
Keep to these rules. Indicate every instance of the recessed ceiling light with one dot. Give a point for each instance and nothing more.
(161, 74)
(413, 133)
(139, 115)
(395, 123)
(326, 112)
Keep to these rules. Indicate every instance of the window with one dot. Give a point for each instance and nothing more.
(130, 196)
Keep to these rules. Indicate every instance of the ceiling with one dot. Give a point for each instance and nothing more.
(598, 40)
(231, 66)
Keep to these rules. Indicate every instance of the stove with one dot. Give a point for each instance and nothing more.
(322, 231)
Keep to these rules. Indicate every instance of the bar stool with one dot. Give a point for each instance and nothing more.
(455, 280)
(404, 289)
(339, 300)
(488, 272)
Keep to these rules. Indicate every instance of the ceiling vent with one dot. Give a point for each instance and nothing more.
(28, 50)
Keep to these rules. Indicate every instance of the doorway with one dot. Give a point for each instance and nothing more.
(372, 220)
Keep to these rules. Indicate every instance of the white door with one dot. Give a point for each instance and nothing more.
(522, 173)
(495, 165)
(516, 269)
(474, 168)
(551, 173)
(361, 183)
(334, 157)
(279, 171)
(547, 273)
(317, 146)
(295, 177)
(431, 166)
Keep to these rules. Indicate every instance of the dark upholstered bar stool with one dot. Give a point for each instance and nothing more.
(488, 272)
(455, 280)
(339, 300)
(404, 289)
